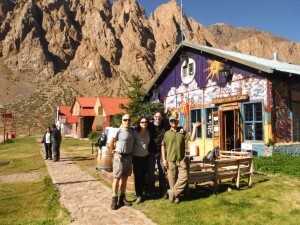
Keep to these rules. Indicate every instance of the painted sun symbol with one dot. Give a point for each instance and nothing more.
(214, 68)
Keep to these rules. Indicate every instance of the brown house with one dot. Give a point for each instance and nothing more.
(94, 114)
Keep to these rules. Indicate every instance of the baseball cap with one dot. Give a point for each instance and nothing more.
(173, 118)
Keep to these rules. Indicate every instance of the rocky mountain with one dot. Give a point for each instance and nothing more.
(59, 49)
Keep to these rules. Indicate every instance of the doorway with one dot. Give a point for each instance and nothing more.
(231, 130)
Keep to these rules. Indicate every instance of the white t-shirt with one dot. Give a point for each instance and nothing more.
(47, 138)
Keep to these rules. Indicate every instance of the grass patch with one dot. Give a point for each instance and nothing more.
(80, 151)
(273, 199)
(28, 202)
(31, 203)
(278, 163)
(24, 155)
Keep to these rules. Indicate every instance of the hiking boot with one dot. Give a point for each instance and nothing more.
(176, 201)
(123, 201)
(114, 202)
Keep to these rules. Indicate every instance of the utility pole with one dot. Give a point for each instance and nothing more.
(181, 20)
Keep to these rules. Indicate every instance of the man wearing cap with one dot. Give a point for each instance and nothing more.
(122, 146)
(173, 154)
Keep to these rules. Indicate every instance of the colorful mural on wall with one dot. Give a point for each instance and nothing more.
(179, 100)
(283, 116)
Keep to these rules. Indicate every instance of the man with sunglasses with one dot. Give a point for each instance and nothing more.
(122, 146)
(157, 131)
(173, 154)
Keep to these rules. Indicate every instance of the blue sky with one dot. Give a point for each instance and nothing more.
(279, 17)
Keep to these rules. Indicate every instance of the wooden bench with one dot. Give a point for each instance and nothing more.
(234, 154)
(223, 168)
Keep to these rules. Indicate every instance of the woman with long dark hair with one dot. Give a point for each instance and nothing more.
(140, 156)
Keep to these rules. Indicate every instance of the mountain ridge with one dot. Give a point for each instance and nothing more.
(93, 47)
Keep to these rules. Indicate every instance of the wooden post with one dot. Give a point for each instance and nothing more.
(4, 126)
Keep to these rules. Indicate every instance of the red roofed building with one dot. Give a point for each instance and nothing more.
(64, 119)
(94, 114)
(83, 108)
(107, 107)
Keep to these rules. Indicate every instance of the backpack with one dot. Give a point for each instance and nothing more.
(101, 140)
(212, 155)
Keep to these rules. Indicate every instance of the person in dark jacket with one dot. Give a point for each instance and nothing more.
(157, 131)
(55, 140)
(47, 143)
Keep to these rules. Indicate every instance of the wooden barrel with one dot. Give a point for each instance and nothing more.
(104, 159)
(130, 183)
(194, 150)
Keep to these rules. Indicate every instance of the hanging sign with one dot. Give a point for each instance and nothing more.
(235, 98)
(7, 115)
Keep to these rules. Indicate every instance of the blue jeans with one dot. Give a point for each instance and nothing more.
(155, 159)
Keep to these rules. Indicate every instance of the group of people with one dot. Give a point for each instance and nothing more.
(52, 140)
(144, 148)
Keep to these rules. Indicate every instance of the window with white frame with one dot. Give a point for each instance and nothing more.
(196, 117)
(188, 70)
(253, 121)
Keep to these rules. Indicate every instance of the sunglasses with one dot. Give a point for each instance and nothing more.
(126, 120)
(143, 122)
(173, 121)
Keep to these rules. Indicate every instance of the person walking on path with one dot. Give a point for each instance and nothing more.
(157, 131)
(47, 143)
(122, 146)
(56, 141)
(173, 154)
(140, 157)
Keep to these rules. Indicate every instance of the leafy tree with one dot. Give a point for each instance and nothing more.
(137, 105)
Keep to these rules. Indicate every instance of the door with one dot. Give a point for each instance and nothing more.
(232, 129)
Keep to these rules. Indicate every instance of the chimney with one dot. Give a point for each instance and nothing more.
(275, 56)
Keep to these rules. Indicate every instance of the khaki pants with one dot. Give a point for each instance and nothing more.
(178, 176)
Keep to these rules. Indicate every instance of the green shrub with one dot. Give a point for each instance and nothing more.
(9, 141)
(93, 135)
(278, 163)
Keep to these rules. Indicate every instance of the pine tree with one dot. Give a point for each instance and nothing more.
(137, 106)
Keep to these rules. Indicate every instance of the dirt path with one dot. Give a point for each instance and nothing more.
(87, 200)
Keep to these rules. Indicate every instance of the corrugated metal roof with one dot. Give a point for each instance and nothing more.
(111, 105)
(266, 65)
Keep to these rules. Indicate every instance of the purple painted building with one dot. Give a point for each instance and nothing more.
(243, 102)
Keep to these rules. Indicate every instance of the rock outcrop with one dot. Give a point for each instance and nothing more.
(96, 46)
